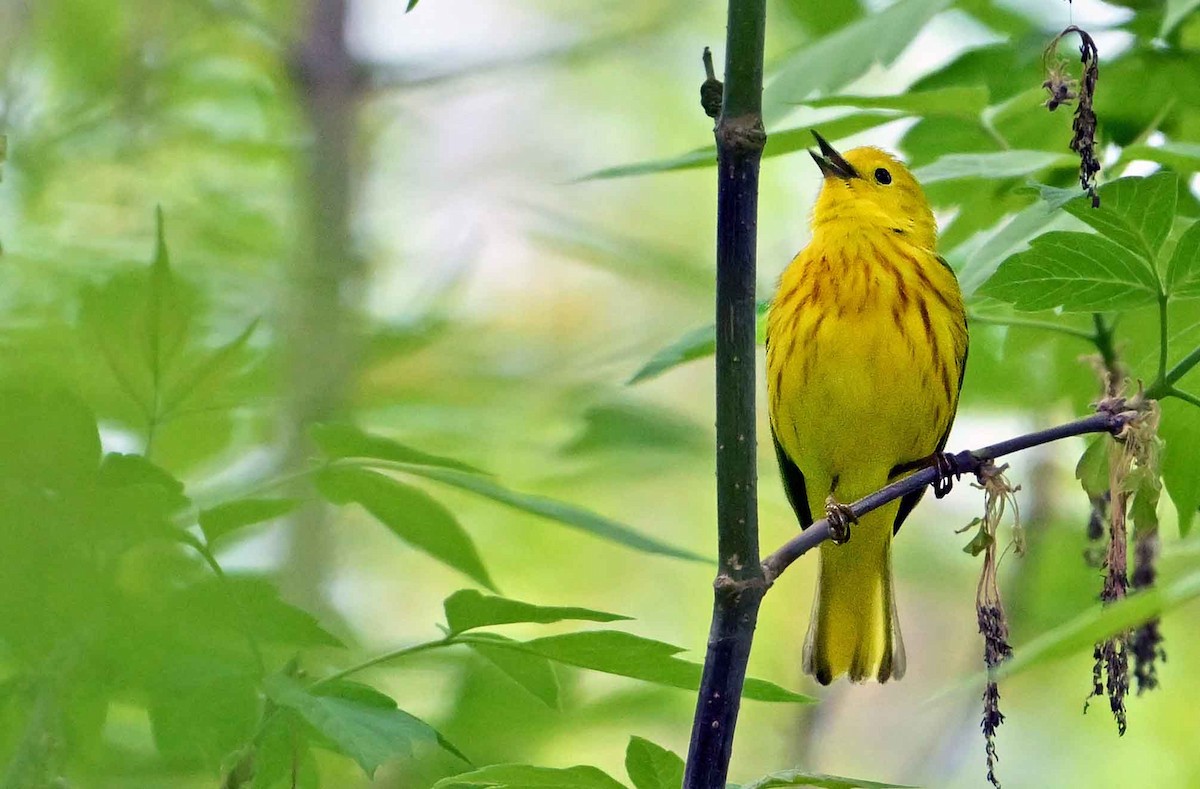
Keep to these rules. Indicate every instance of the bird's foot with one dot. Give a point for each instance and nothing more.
(840, 516)
(945, 469)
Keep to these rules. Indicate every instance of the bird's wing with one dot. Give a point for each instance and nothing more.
(907, 503)
(793, 484)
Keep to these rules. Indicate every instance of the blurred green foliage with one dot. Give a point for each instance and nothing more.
(528, 359)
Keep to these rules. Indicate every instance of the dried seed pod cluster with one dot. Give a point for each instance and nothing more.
(993, 624)
(1065, 90)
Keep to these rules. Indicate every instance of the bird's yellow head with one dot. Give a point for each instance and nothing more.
(869, 189)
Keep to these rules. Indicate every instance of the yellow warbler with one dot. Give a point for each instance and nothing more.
(866, 347)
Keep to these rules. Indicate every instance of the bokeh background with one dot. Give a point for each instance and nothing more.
(492, 304)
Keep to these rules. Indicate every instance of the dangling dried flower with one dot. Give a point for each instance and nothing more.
(1064, 90)
(1061, 87)
(1146, 482)
(1096, 526)
(993, 624)
(1146, 641)
(1137, 445)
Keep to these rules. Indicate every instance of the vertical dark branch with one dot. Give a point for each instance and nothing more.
(326, 278)
(740, 583)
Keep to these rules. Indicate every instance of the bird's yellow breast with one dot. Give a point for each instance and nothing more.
(866, 340)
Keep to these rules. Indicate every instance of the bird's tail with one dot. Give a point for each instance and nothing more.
(854, 629)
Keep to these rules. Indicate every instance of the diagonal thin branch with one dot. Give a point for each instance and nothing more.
(965, 462)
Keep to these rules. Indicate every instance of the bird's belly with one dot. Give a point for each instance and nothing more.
(858, 400)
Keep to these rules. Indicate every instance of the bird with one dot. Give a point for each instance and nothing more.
(866, 351)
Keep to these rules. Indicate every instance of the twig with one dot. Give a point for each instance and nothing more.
(740, 585)
(966, 462)
(395, 654)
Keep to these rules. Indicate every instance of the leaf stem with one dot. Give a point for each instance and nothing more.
(284, 480)
(1186, 397)
(1030, 323)
(192, 541)
(384, 658)
(1104, 342)
(1162, 336)
(1166, 383)
(985, 120)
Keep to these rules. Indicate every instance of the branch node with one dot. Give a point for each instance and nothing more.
(742, 135)
(726, 584)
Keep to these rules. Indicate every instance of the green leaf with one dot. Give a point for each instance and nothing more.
(701, 157)
(980, 542)
(49, 435)
(338, 441)
(411, 5)
(1183, 272)
(779, 143)
(196, 717)
(821, 19)
(1075, 271)
(1001, 164)
(283, 757)
(657, 263)
(651, 766)
(1134, 212)
(627, 655)
(1057, 197)
(803, 778)
(559, 511)
(212, 366)
(1092, 469)
(1181, 156)
(1144, 509)
(696, 344)
(119, 470)
(1177, 11)
(636, 428)
(226, 606)
(532, 672)
(963, 102)
(467, 609)
(524, 776)
(979, 264)
(1179, 429)
(411, 514)
(839, 58)
(140, 321)
(224, 519)
(167, 319)
(360, 693)
(1099, 623)
(364, 730)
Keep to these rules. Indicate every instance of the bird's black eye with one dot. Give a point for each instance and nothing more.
(883, 176)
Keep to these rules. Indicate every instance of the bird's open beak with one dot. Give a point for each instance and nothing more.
(832, 163)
